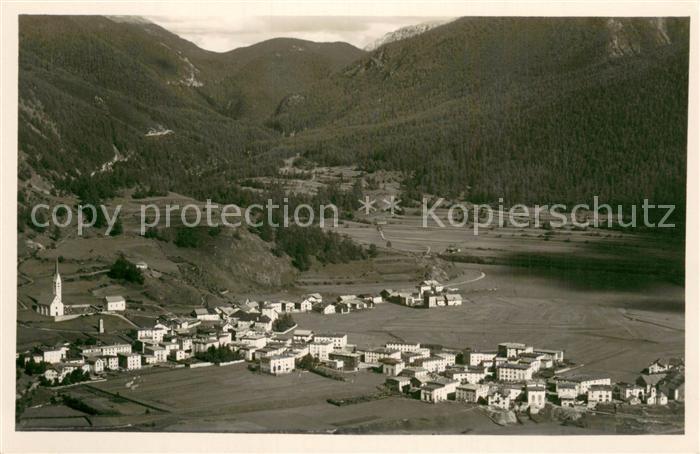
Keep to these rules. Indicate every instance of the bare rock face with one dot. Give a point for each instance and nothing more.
(403, 33)
(631, 38)
(502, 417)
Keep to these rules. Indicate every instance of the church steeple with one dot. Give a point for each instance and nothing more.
(57, 281)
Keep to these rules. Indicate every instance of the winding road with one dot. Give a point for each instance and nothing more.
(478, 278)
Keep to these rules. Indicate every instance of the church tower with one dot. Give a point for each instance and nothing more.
(56, 306)
(57, 282)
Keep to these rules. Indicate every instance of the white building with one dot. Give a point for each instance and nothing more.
(584, 382)
(111, 362)
(555, 355)
(656, 397)
(566, 390)
(599, 394)
(157, 333)
(287, 306)
(374, 355)
(53, 356)
(115, 303)
(324, 308)
(303, 306)
(179, 355)
(511, 372)
(433, 393)
(471, 392)
(185, 343)
(429, 286)
(433, 364)
(403, 347)
(414, 372)
(271, 311)
(159, 353)
(453, 299)
(392, 366)
(339, 340)
(54, 306)
(373, 299)
(512, 349)
(206, 315)
(303, 335)
(114, 349)
(256, 340)
(467, 374)
(628, 391)
(477, 358)
(535, 396)
(129, 361)
(277, 364)
(97, 365)
(320, 349)
(449, 357)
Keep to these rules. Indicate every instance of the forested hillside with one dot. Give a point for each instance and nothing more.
(124, 102)
(529, 109)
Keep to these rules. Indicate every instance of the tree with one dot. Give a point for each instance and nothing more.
(117, 228)
(187, 237)
(372, 251)
(33, 368)
(218, 355)
(125, 270)
(283, 323)
(308, 362)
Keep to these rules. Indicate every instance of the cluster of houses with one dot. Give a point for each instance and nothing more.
(93, 360)
(246, 328)
(345, 304)
(428, 294)
(510, 377)
(507, 378)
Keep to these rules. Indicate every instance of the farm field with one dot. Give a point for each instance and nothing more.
(612, 332)
(233, 399)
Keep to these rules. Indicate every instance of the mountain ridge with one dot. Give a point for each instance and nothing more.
(460, 109)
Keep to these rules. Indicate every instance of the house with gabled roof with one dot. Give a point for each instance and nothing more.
(324, 308)
(673, 385)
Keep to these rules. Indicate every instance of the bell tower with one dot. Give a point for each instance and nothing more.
(56, 308)
(57, 282)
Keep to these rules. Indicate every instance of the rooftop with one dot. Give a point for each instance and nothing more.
(600, 388)
(512, 345)
(514, 366)
(330, 335)
(114, 298)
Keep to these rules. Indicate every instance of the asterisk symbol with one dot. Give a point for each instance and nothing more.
(367, 205)
(392, 204)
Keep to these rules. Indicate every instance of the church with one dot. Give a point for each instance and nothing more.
(52, 307)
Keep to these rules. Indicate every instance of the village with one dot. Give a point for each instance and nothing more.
(513, 376)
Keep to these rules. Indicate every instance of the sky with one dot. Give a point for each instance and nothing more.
(228, 32)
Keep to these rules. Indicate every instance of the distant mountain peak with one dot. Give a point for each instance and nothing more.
(404, 33)
(130, 20)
